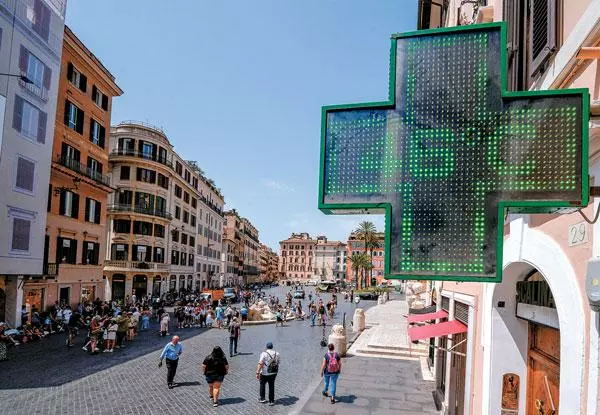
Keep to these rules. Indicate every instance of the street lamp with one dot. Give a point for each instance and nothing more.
(21, 77)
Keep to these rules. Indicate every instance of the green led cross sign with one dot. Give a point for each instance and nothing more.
(451, 151)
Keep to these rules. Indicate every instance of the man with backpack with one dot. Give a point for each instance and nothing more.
(266, 372)
(330, 370)
(234, 335)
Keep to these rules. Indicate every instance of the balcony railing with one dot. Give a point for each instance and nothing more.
(152, 266)
(136, 209)
(25, 15)
(76, 166)
(124, 152)
(32, 89)
(213, 206)
(50, 269)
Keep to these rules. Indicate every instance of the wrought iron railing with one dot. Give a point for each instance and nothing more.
(124, 152)
(78, 167)
(138, 209)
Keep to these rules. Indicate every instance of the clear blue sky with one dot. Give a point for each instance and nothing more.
(238, 86)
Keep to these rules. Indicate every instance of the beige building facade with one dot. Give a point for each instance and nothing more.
(330, 259)
(296, 262)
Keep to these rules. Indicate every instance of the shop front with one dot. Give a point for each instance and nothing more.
(118, 287)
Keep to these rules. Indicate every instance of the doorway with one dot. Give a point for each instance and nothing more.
(64, 295)
(156, 286)
(118, 287)
(140, 286)
(543, 373)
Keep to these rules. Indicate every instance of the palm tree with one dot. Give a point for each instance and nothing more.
(359, 262)
(367, 232)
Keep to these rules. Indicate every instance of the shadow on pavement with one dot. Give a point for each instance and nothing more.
(287, 401)
(245, 354)
(230, 401)
(48, 362)
(346, 398)
(179, 384)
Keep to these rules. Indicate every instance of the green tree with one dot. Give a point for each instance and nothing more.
(359, 261)
(367, 232)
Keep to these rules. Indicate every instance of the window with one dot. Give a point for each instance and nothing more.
(183, 258)
(21, 232)
(37, 72)
(97, 133)
(178, 191)
(91, 253)
(119, 252)
(144, 201)
(161, 204)
(163, 181)
(193, 221)
(191, 259)
(39, 16)
(25, 174)
(74, 117)
(66, 250)
(121, 225)
(159, 255)
(184, 238)
(125, 197)
(186, 197)
(93, 210)
(141, 253)
(69, 204)
(126, 146)
(188, 176)
(192, 241)
(125, 171)
(146, 150)
(94, 167)
(194, 202)
(76, 78)
(159, 230)
(177, 212)
(99, 98)
(186, 216)
(146, 175)
(142, 228)
(175, 236)
(195, 182)
(174, 258)
(162, 155)
(179, 168)
(29, 120)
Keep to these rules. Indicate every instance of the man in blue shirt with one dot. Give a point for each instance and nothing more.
(171, 353)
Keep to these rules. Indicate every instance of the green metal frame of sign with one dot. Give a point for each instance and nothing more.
(520, 206)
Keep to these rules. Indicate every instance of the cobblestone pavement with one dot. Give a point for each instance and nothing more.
(46, 378)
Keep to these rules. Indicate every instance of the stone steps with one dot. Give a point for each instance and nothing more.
(392, 352)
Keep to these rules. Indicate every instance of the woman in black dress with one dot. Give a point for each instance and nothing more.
(214, 368)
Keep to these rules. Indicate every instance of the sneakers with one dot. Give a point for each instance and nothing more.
(262, 401)
(85, 348)
(215, 404)
(170, 385)
(105, 351)
(325, 393)
(271, 403)
(111, 350)
(333, 400)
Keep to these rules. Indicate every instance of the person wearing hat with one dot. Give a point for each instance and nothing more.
(266, 372)
(234, 335)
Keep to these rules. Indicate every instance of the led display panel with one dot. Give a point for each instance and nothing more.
(450, 152)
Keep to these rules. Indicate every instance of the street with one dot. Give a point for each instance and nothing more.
(47, 378)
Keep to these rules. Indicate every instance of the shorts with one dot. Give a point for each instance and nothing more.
(244, 317)
(214, 378)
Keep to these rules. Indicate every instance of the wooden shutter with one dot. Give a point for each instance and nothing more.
(41, 132)
(67, 108)
(59, 248)
(23, 59)
(542, 32)
(73, 252)
(82, 82)
(87, 209)
(80, 117)
(97, 212)
(75, 207)
(138, 174)
(47, 77)
(70, 71)
(49, 207)
(102, 135)
(94, 92)
(461, 312)
(63, 200)
(18, 113)
(105, 102)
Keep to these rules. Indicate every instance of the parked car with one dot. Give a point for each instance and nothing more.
(368, 295)
(230, 295)
(299, 294)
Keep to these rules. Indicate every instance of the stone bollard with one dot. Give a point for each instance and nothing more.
(338, 338)
(358, 320)
(380, 299)
(386, 296)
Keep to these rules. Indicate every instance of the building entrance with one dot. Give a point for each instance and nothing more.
(543, 375)
(140, 286)
(118, 287)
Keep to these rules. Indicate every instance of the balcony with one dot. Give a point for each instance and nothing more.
(124, 152)
(24, 13)
(50, 269)
(32, 89)
(115, 265)
(137, 209)
(76, 166)
(213, 206)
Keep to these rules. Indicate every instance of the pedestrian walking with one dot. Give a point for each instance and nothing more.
(164, 324)
(266, 372)
(171, 354)
(234, 335)
(214, 368)
(330, 370)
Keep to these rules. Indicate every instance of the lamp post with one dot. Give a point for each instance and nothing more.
(21, 77)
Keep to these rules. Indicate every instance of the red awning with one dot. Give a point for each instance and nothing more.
(436, 330)
(418, 318)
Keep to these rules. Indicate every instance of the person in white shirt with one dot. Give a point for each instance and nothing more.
(266, 372)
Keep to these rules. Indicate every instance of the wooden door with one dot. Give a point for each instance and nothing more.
(459, 372)
(543, 376)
